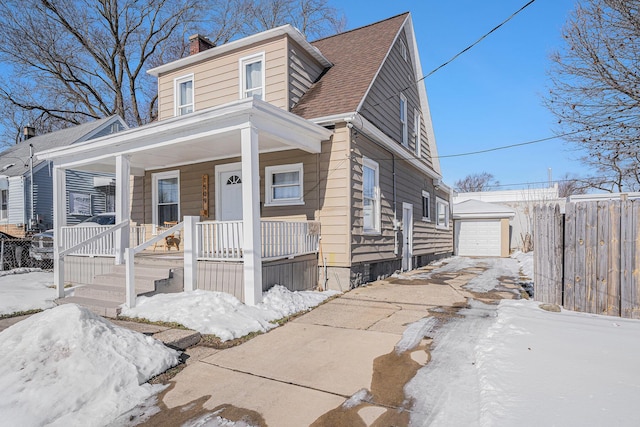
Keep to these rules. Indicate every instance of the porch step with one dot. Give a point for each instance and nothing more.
(113, 292)
(99, 307)
(143, 283)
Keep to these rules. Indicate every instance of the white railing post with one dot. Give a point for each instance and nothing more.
(130, 273)
(59, 220)
(190, 245)
(123, 172)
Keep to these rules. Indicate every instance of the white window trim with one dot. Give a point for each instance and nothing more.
(268, 185)
(405, 122)
(403, 50)
(440, 201)
(366, 162)
(426, 195)
(154, 194)
(417, 122)
(176, 93)
(258, 57)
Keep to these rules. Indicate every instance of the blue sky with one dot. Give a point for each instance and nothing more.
(491, 95)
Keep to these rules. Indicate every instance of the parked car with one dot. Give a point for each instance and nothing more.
(41, 249)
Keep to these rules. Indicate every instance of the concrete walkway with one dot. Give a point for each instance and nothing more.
(302, 373)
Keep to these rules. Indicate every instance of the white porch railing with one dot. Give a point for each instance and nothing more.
(222, 240)
(73, 236)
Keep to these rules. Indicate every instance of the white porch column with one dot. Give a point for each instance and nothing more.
(59, 221)
(252, 244)
(123, 173)
(190, 245)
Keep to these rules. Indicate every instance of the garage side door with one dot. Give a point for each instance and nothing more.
(478, 237)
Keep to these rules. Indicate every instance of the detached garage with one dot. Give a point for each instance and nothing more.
(481, 229)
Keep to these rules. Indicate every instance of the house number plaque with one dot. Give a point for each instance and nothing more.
(205, 196)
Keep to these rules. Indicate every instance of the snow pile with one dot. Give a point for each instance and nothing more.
(214, 420)
(521, 365)
(23, 292)
(526, 262)
(495, 269)
(67, 366)
(222, 314)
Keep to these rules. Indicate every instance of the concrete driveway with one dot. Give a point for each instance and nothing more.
(334, 366)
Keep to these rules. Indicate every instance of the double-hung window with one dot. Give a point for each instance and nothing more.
(283, 185)
(370, 196)
(416, 132)
(166, 197)
(426, 206)
(4, 204)
(403, 120)
(442, 213)
(184, 95)
(252, 76)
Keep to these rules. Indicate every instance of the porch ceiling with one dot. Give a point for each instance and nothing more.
(205, 135)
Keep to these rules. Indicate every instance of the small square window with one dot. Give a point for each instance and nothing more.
(184, 95)
(426, 206)
(283, 185)
(442, 213)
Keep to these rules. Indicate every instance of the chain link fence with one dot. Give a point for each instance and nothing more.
(25, 252)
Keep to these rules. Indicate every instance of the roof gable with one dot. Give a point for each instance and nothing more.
(19, 154)
(357, 55)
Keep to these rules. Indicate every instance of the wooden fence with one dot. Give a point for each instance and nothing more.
(588, 259)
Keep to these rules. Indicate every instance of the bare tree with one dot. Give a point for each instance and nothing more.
(314, 18)
(569, 184)
(476, 182)
(71, 61)
(595, 90)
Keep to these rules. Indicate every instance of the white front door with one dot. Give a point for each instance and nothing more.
(229, 191)
(407, 236)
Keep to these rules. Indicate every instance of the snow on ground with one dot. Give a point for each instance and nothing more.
(68, 367)
(526, 262)
(516, 364)
(26, 289)
(222, 314)
(495, 269)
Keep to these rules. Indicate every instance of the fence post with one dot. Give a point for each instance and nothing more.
(130, 277)
(569, 261)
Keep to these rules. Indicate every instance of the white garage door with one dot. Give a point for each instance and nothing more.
(478, 237)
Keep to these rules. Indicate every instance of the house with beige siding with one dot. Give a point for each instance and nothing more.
(276, 161)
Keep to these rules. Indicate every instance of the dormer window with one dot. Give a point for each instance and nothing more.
(184, 95)
(252, 76)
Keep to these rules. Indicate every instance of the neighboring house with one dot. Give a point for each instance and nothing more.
(522, 202)
(267, 143)
(25, 206)
(481, 228)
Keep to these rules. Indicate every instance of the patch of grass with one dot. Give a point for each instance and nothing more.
(167, 375)
(172, 325)
(66, 285)
(20, 313)
(212, 341)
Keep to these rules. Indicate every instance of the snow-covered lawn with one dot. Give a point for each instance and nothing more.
(222, 314)
(26, 289)
(516, 364)
(68, 367)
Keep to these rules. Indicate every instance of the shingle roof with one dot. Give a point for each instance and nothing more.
(19, 153)
(357, 55)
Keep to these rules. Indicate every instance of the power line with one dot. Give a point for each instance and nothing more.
(453, 58)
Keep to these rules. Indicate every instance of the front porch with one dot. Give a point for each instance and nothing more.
(211, 248)
(289, 258)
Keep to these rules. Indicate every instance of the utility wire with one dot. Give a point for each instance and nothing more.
(457, 54)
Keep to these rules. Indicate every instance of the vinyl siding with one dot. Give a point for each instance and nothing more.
(382, 104)
(17, 211)
(82, 182)
(303, 72)
(43, 197)
(217, 80)
(410, 182)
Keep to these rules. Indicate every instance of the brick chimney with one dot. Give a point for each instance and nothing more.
(198, 43)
